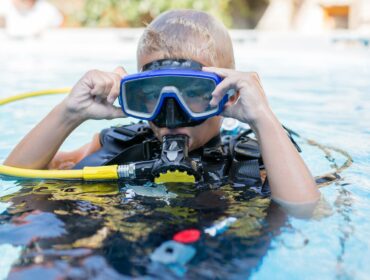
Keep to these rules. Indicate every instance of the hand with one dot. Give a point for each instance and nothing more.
(94, 94)
(249, 104)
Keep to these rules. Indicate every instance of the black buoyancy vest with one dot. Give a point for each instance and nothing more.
(225, 158)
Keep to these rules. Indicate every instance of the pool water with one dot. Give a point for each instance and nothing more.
(51, 229)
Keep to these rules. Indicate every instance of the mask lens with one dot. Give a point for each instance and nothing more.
(197, 94)
(142, 96)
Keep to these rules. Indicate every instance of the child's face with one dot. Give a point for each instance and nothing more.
(198, 135)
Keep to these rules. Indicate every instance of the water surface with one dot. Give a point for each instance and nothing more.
(77, 230)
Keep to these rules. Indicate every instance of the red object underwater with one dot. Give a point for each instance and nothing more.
(187, 236)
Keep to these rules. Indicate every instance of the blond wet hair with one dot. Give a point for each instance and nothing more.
(188, 34)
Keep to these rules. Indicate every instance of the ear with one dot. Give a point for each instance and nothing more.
(232, 99)
(120, 71)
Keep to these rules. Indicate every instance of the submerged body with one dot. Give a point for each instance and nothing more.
(115, 230)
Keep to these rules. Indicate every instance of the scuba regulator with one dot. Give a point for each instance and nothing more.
(173, 165)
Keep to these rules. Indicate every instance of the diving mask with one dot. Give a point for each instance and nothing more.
(171, 93)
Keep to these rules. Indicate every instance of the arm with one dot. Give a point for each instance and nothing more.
(40, 145)
(289, 178)
(91, 98)
(67, 160)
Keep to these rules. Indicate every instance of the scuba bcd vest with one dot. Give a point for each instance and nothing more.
(224, 159)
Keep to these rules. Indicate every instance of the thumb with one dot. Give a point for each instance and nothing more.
(116, 112)
(120, 71)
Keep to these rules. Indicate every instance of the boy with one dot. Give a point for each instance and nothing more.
(182, 34)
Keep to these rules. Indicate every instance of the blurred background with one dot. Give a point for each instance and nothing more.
(30, 17)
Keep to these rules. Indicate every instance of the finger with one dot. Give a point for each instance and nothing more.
(115, 90)
(222, 72)
(120, 71)
(222, 88)
(106, 111)
(98, 84)
(116, 112)
(109, 80)
(230, 106)
(234, 98)
(113, 94)
(101, 84)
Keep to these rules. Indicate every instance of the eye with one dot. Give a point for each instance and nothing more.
(150, 92)
(191, 93)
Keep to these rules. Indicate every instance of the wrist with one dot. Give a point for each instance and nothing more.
(70, 117)
(265, 121)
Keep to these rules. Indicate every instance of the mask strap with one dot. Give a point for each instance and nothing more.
(172, 64)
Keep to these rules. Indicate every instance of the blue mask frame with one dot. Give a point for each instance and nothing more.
(196, 74)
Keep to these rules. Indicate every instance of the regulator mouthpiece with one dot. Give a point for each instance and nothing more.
(174, 164)
(175, 148)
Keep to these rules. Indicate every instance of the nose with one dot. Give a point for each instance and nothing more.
(170, 89)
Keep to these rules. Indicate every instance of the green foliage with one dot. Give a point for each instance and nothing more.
(136, 13)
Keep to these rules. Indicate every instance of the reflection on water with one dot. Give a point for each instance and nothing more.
(343, 205)
(116, 230)
(112, 229)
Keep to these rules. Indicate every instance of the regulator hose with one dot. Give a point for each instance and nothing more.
(27, 95)
(96, 173)
(87, 174)
(127, 171)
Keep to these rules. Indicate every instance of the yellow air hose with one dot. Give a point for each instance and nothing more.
(99, 173)
(88, 173)
(26, 95)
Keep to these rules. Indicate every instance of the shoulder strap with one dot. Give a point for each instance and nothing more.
(246, 161)
(289, 131)
(114, 141)
(147, 149)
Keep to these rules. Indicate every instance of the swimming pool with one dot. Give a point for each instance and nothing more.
(52, 229)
